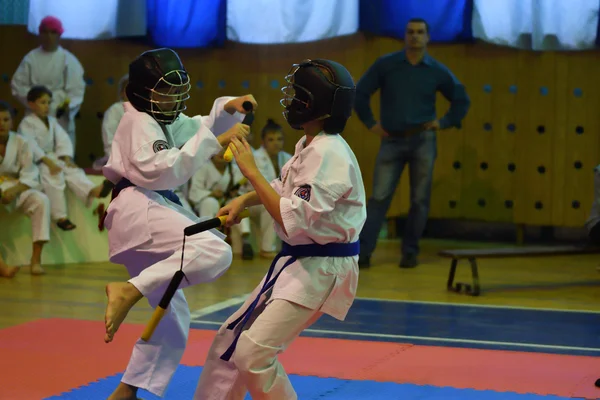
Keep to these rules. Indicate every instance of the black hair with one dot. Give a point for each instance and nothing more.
(334, 125)
(36, 92)
(271, 126)
(421, 21)
(5, 106)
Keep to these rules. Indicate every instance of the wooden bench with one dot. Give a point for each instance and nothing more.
(474, 289)
(83, 245)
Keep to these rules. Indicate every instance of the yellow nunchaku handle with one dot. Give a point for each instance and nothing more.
(228, 156)
(243, 214)
(159, 312)
(162, 306)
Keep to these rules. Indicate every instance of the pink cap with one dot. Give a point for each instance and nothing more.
(52, 24)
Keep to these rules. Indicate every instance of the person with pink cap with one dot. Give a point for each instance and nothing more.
(56, 68)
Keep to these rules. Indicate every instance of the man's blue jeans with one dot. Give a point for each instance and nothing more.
(419, 152)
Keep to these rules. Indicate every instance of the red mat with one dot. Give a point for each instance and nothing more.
(47, 357)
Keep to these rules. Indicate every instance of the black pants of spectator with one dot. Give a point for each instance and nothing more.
(594, 234)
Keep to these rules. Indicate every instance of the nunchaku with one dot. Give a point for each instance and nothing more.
(248, 120)
(191, 230)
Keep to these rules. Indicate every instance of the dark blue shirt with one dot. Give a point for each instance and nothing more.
(408, 93)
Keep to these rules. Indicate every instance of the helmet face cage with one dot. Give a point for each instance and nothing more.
(165, 106)
(295, 94)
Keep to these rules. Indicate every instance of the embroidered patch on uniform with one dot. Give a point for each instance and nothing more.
(160, 145)
(303, 192)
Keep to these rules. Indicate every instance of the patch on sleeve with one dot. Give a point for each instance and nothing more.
(160, 145)
(303, 192)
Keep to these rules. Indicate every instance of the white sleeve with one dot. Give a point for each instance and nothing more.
(155, 166)
(74, 84)
(25, 129)
(322, 180)
(276, 184)
(110, 122)
(219, 120)
(21, 81)
(28, 172)
(62, 142)
(198, 187)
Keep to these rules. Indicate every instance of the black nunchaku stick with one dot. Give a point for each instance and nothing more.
(191, 230)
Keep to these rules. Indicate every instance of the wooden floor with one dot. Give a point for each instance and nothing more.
(565, 282)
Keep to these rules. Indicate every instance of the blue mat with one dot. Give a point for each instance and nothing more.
(184, 383)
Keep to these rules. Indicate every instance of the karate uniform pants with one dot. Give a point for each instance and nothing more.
(254, 366)
(36, 206)
(54, 186)
(151, 267)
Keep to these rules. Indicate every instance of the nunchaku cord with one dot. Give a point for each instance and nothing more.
(182, 258)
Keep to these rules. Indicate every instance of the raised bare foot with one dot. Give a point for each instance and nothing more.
(36, 269)
(122, 296)
(8, 272)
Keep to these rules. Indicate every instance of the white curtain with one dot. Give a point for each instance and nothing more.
(91, 19)
(541, 25)
(290, 21)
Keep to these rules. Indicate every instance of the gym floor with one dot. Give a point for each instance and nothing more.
(532, 334)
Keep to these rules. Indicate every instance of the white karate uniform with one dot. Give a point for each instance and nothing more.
(332, 210)
(209, 178)
(110, 122)
(145, 230)
(53, 142)
(61, 72)
(267, 169)
(17, 167)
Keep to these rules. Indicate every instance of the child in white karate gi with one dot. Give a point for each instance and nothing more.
(214, 185)
(318, 205)
(54, 153)
(157, 148)
(110, 122)
(19, 184)
(270, 158)
(56, 68)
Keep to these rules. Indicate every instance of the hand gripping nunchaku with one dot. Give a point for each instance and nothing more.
(248, 119)
(191, 230)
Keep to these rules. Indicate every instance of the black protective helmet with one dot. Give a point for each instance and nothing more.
(318, 90)
(161, 72)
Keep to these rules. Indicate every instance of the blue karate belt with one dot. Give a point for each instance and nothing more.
(125, 183)
(306, 250)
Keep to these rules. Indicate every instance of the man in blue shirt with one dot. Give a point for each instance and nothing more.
(408, 81)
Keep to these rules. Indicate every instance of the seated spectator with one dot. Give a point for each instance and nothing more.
(53, 149)
(19, 184)
(214, 185)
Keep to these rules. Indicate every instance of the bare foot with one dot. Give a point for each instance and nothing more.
(121, 297)
(36, 269)
(124, 392)
(8, 272)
